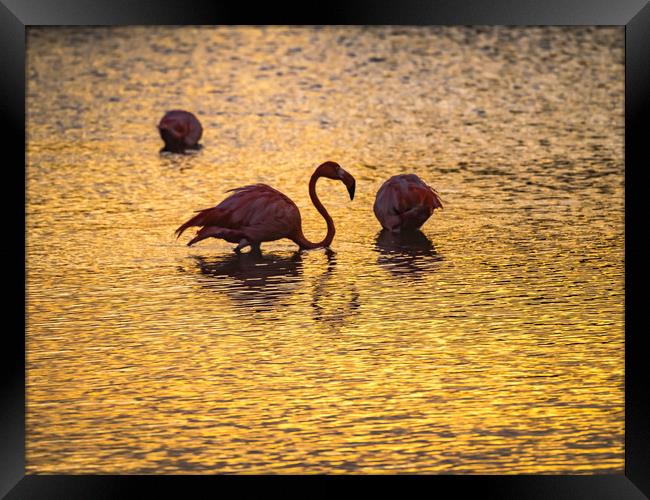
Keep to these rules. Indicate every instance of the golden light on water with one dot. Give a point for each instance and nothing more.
(492, 344)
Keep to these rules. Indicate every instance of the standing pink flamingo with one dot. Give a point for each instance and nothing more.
(180, 130)
(258, 213)
(404, 202)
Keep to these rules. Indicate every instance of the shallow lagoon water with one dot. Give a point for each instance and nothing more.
(491, 343)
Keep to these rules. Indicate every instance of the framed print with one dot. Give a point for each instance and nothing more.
(387, 245)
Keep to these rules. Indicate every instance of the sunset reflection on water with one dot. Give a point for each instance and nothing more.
(491, 342)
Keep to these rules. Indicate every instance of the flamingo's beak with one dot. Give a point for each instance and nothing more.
(351, 189)
(349, 182)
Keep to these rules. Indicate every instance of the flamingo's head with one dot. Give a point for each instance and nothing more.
(333, 170)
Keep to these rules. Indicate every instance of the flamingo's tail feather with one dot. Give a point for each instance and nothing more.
(199, 219)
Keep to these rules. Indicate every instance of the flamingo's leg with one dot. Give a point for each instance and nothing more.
(243, 243)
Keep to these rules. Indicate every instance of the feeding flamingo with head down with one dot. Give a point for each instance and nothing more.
(258, 213)
(180, 130)
(405, 202)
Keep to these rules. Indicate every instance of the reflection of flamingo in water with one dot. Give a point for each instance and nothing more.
(405, 202)
(405, 253)
(260, 281)
(263, 282)
(329, 303)
(258, 213)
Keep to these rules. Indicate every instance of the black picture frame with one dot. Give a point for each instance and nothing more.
(16, 15)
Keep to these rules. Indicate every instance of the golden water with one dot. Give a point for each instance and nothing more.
(494, 344)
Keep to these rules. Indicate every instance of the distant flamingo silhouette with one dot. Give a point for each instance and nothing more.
(180, 130)
(405, 202)
(259, 213)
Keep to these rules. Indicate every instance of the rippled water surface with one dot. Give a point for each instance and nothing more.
(490, 343)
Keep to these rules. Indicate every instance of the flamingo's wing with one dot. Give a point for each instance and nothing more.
(412, 192)
(258, 212)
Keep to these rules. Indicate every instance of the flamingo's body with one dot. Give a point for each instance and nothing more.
(405, 202)
(258, 213)
(180, 130)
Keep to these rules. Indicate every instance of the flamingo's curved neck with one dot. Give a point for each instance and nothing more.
(300, 239)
